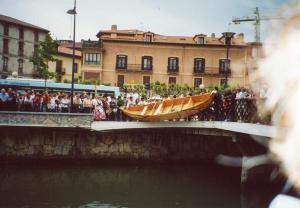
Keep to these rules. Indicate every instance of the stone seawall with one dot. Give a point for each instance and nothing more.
(133, 145)
(9, 118)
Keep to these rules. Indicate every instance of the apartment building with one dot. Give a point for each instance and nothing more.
(18, 41)
(139, 57)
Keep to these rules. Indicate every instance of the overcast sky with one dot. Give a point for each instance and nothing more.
(165, 17)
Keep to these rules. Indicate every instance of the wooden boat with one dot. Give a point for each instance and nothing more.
(169, 109)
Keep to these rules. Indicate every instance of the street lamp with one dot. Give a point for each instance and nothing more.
(228, 37)
(73, 12)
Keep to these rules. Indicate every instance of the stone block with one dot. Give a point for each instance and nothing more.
(34, 141)
(108, 140)
(31, 150)
(127, 147)
(121, 148)
(47, 149)
(147, 154)
(8, 141)
(66, 150)
(58, 150)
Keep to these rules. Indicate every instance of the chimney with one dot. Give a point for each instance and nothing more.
(114, 27)
(213, 35)
(240, 37)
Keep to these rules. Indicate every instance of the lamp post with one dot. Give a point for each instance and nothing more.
(228, 37)
(73, 12)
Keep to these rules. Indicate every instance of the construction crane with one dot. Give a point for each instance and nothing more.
(256, 19)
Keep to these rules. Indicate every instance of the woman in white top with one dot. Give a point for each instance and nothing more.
(65, 103)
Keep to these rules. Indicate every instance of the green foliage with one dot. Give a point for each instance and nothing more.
(210, 88)
(135, 88)
(67, 81)
(45, 53)
(88, 82)
(98, 82)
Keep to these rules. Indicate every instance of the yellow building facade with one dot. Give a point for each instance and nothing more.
(137, 57)
(63, 66)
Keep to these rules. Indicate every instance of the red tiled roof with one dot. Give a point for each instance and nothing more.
(67, 51)
(138, 36)
(11, 20)
(69, 44)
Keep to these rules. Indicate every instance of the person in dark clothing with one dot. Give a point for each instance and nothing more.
(217, 104)
(120, 103)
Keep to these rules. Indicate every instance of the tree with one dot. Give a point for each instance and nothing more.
(45, 53)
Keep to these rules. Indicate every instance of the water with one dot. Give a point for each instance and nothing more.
(163, 186)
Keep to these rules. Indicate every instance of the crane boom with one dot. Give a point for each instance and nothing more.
(256, 19)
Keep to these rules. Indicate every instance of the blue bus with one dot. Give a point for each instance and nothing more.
(34, 84)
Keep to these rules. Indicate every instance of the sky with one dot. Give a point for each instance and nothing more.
(165, 17)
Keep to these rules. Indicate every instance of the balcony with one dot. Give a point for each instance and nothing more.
(210, 71)
(91, 44)
(173, 70)
(134, 68)
(60, 71)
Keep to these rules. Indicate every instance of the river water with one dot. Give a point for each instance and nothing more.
(115, 186)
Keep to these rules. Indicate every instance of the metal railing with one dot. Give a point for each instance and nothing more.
(238, 110)
(211, 71)
(134, 68)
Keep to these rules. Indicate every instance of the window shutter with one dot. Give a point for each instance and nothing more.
(151, 62)
(203, 65)
(143, 67)
(125, 62)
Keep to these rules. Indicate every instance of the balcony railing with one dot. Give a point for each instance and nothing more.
(173, 70)
(211, 71)
(91, 44)
(135, 68)
(60, 71)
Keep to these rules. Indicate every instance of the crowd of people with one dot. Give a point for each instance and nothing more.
(105, 107)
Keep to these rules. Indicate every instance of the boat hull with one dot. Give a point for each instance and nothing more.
(177, 108)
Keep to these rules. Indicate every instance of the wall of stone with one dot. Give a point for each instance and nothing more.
(60, 120)
(133, 145)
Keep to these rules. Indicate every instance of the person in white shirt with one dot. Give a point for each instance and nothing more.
(65, 102)
(142, 101)
(130, 102)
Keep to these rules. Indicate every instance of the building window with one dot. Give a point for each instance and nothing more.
(75, 68)
(5, 64)
(147, 63)
(5, 46)
(199, 65)
(197, 82)
(146, 80)
(224, 64)
(21, 49)
(172, 80)
(36, 36)
(222, 82)
(59, 66)
(120, 81)
(35, 49)
(148, 38)
(173, 64)
(121, 62)
(20, 66)
(21, 34)
(6, 29)
(200, 40)
(92, 58)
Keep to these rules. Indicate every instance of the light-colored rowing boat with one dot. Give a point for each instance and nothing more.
(169, 109)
